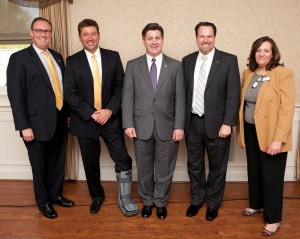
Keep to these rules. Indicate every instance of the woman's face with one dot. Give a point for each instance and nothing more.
(264, 54)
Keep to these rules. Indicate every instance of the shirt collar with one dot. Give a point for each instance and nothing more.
(38, 50)
(210, 55)
(97, 53)
(157, 58)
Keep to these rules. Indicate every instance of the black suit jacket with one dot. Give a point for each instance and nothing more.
(79, 92)
(222, 92)
(31, 94)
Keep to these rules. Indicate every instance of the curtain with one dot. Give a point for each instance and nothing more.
(36, 3)
(57, 14)
(298, 161)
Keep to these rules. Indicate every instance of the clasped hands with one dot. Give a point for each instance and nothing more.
(101, 116)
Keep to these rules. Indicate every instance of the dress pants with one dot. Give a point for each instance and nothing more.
(156, 160)
(47, 159)
(265, 177)
(217, 150)
(90, 151)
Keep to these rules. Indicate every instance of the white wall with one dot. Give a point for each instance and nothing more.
(14, 163)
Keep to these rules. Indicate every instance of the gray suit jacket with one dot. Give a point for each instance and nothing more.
(143, 109)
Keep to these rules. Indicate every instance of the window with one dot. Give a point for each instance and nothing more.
(14, 32)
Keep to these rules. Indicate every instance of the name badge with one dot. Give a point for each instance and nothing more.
(266, 78)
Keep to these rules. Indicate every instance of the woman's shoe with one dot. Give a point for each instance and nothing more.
(267, 233)
(251, 212)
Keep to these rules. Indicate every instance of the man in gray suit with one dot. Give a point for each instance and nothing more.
(212, 83)
(153, 110)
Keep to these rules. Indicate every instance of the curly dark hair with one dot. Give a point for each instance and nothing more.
(275, 54)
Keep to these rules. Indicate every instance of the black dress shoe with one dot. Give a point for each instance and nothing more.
(211, 214)
(48, 211)
(64, 202)
(95, 207)
(161, 213)
(193, 210)
(146, 211)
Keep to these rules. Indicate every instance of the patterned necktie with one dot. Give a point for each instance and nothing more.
(153, 74)
(55, 81)
(200, 87)
(97, 84)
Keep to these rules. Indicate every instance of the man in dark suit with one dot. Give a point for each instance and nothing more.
(34, 87)
(213, 91)
(93, 88)
(153, 115)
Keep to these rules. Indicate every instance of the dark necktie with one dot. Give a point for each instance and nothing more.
(153, 74)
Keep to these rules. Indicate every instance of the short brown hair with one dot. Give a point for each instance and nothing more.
(87, 23)
(206, 24)
(152, 27)
(39, 19)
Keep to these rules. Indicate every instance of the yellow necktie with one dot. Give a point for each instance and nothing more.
(55, 81)
(97, 84)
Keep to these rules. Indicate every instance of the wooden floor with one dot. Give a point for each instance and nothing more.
(20, 218)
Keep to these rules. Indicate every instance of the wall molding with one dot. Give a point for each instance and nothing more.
(14, 163)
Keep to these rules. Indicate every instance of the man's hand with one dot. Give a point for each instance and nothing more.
(102, 116)
(130, 132)
(68, 121)
(178, 134)
(224, 131)
(27, 134)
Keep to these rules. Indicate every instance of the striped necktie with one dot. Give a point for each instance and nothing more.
(200, 87)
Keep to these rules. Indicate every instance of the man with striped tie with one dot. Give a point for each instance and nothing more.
(213, 91)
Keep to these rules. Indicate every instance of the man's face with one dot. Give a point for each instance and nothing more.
(89, 38)
(153, 42)
(41, 34)
(205, 39)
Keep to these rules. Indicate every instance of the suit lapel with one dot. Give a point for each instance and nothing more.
(37, 61)
(163, 73)
(217, 61)
(191, 69)
(86, 67)
(145, 72)
(104, 63)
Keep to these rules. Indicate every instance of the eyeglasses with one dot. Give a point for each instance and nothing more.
(260, 78)
(41, 31)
